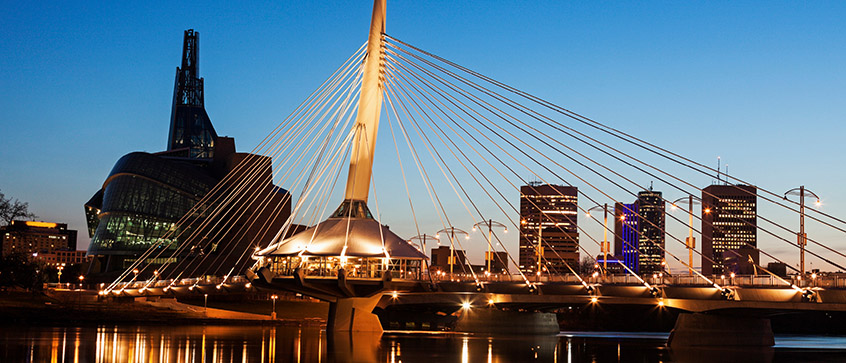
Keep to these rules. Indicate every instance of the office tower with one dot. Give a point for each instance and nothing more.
(651, 236)
(729, 229)
(31, 237)
(548, 228)
(627, 234)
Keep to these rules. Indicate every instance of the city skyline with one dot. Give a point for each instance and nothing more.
(733, 89)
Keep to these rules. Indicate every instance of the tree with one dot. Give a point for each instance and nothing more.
(11, 210)
(586, 265)
(18, 271)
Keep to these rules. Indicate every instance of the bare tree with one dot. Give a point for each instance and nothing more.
(11, 210)
(586, 265)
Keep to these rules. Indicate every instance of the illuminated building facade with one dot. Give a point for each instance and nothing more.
(729, 228)
(651, 237)
(31, 237)
(63, 258)
(627, 234)
(146, 194)
(548, 228)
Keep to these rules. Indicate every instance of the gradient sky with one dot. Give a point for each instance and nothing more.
(759, 84)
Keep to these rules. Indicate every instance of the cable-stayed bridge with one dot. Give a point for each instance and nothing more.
(457, 149)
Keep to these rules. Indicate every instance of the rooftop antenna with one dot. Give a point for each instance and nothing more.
(650, 185)
(718, 170)
(727, 174)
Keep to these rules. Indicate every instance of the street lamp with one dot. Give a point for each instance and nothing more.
(81, 278)
(422, 238)
(273, 313)
(451, 231)
(60, 268)
(690, 241)
(802, 237)
(490, 224)
(605, 245)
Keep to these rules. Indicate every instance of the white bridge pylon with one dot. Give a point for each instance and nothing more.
(369, 107)
(351, 231)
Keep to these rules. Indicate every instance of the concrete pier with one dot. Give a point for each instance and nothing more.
(354, 314)
(495, 321)
(694, 330)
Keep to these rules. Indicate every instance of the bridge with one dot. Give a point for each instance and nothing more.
(464, 143)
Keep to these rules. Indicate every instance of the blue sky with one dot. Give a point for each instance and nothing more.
(759, 84)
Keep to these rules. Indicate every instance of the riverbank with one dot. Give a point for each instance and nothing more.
(84, 308)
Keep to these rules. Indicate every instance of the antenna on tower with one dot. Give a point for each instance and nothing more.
(727, 174)
(718, 170)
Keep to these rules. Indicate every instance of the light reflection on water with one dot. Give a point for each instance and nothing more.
(178, 344)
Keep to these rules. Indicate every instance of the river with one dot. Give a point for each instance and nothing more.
(138, 343)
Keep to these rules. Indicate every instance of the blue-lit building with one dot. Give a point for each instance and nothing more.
(627, 235)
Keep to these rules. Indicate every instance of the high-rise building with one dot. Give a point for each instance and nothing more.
(627, 234)
(729, 228)
(639, 232)
(145, 195)
(31, 237)
(548, 228)
(651, 236)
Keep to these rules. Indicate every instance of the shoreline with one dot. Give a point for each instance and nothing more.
(80, 309)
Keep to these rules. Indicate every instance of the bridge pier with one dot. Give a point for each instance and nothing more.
(495, 321)
(354, 314)
(698, 329)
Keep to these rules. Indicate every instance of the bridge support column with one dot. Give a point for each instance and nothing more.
(354, 314)
(495, 321)
(693, 330)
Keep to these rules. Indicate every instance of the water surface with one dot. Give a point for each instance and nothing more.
(130, 343)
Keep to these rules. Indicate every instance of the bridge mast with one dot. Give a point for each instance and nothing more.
(369, 107)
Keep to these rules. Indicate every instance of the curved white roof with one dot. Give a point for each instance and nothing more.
(362, 237)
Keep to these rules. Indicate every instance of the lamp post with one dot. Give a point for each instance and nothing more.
(690, 241)
(273, 313)
(60, 268)
(422, 238)
(605, 244)
(81, 279)
(802, 237)
(451, 231)
(490, 224)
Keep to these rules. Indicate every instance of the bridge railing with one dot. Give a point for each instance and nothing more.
(186, 282)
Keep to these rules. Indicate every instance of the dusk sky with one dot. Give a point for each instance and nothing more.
(760, 84)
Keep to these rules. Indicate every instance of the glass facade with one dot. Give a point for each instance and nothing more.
(142, 199)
